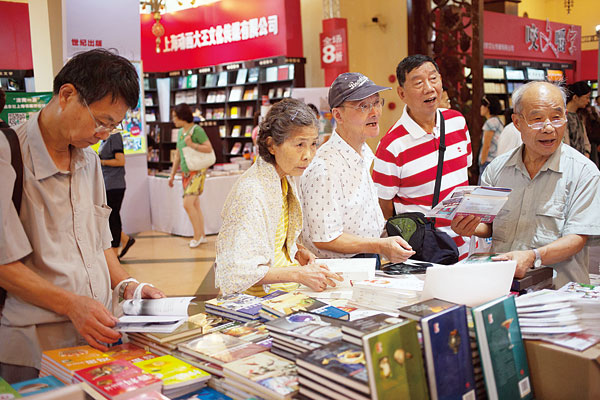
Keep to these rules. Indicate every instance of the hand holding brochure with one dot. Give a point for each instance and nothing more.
(483, 202)
(154, 315)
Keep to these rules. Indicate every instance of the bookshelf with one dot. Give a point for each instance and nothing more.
(151, 99)
(227, 96)
(162, 139)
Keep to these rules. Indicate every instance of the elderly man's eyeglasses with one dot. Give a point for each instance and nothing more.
(101, 127)
(366, 108)
(538, 125)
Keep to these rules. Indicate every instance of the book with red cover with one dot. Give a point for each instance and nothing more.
(130, 352)
(118, 379)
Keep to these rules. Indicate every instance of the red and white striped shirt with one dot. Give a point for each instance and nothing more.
(406, 165)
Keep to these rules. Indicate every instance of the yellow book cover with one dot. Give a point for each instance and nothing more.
(172, 371)
(234, 112)
(74, 358)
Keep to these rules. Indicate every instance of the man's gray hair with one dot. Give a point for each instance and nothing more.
(517, 95)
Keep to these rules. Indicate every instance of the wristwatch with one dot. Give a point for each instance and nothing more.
(538, 259)
(122, 289)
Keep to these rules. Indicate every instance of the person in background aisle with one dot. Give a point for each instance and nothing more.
(56, 263)
(3, 124)
(597, 104)
(407, 156)
(591, 121)
(445, 102)
(551, 215)
(578, 97)
(257, 249)
(510, 136)
(342, 217)
(492, 128)
(112, 160)
(193, 136)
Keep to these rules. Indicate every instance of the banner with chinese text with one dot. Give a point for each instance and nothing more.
(21, 105)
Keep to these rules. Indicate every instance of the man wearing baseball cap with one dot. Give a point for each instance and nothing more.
(342, 216)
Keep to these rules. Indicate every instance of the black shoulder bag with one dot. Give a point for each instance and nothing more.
(429, 244)
(17, 163)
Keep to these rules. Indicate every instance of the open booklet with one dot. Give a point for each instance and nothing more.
(484, 202)
(155, 315)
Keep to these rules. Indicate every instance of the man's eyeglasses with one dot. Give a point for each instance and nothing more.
(539, 125)
(366, 108)
(101, 127)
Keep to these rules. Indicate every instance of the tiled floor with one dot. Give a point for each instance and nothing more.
(170, 264)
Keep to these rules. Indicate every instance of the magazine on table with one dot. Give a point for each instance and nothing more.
(481, 201)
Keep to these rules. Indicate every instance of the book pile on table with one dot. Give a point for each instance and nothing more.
(118, 379)
(129, 352)
(385, 294)
(166, 343)
(62, 363)
(206, 393)
(336, 370)
(355, 331)
(178, 377)
(298, 301)
(301, 331)
(263, 375)
(239, 306)
(567, 317)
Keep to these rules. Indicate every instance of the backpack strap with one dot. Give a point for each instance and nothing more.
(16, 161)
(440, 167)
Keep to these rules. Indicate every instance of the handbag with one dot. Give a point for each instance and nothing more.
(198, 160)
(429, 244)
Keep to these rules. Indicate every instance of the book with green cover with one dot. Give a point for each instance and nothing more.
(8, 392)
(502, 351)
(395, 363)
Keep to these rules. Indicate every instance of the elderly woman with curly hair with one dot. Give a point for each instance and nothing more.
(257, 249)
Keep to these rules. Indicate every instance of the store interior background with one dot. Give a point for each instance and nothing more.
(373, 48)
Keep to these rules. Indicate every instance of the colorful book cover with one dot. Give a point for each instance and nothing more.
(7, 392)
(130, 352)
(117, 377)
(172, 371)
(36, 386)
(425, 308)
(253, 331)
(241, 303)
(395, 363)
(502, 351)
(291, 302)
(204, 394)
(339, 361)
(372, 323)
(331, 311)
(266, 372)
(447, 348)
(74, 358)
(220, 348)
(307, 326)
(197, 324)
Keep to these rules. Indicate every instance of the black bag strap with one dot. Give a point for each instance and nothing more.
(440, 167)
(17, 163)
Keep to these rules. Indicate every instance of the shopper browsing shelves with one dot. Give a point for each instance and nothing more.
(552, 211)
(57, 264)
(342, 217)
(257, 249)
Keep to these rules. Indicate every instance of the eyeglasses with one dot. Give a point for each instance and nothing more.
(366, 108)
(100, 127)
(555, 122)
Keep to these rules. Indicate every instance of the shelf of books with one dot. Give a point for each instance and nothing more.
(151, 99)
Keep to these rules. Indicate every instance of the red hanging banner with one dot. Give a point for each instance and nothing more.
(333, 42)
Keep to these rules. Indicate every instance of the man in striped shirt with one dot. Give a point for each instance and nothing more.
(407, 156)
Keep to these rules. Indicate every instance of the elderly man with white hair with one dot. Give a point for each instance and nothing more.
(552, 211)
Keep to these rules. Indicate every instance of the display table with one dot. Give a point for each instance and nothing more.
(166, 204)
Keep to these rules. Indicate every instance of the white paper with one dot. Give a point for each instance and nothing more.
(154, 326)
(470, 284)
(351, 269)
(166, 306)
(484, 202)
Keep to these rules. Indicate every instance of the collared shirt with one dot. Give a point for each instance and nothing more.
(251, 214)
(406, 165)
(338, 196)
(562, 199)
(61, 234)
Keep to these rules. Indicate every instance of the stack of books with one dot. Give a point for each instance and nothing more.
(239, 306)
(63, 363)
(354, 332)
(302, 331)
(118, 379)
(7, 391)
(263, 375)
(446, 347)
(384, 294)
(336, 370)
(178, 377)
(298, 301)
(130, 352)
(218, 348)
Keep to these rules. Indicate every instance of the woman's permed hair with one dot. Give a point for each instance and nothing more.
(184, 112)
(281, 120)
